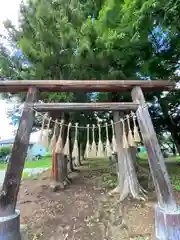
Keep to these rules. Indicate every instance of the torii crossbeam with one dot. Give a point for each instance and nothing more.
(14, 86)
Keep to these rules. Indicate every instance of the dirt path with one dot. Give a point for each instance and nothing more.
(61, 215)
(84, 211)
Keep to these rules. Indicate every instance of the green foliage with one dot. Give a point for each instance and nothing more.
(4, 151)
(104, 39)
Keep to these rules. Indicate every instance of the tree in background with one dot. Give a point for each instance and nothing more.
(4, 151)
(101, 40)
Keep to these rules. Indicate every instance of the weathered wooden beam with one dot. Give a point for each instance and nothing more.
(10, 188)
(156, 161)
(85, 85)
(105, 106)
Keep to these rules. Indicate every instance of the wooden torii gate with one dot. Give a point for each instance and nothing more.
(10, 188)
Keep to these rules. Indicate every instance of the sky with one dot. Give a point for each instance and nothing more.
(6, 129)
(8, 9)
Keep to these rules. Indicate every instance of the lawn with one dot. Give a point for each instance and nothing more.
(45, 162)
(142, 158)
(110, 179)
(100, 164)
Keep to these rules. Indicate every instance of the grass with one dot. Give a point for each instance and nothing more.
(98, 163)
(110, 180)
(173, 169)
(142, 158)
(45, 162)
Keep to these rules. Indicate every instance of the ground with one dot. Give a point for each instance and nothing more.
(84, 211)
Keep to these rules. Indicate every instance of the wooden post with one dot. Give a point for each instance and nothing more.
(155, 157)
(120, 150)
(10, 188)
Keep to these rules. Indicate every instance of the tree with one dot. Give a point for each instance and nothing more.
(95, 40)
(4, 151)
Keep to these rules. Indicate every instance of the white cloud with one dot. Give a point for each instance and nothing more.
(6, 130)
(9, 10)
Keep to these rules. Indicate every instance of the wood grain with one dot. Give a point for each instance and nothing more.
(105, 106)
(156, 160)
(10, 188)
(14, 86)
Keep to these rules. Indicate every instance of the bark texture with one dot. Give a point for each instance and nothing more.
(128, 184)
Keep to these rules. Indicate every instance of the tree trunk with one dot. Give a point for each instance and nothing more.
(128, 184)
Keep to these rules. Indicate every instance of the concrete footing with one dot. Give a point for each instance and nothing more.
(167, 224)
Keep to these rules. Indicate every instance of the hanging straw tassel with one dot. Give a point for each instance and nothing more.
(130, 135)
(59, 144)
(114, 144)
(75, 152)
(125, 141)
(66, 146)
(137, 138)
(88, 147)
(93, 147)
(100, 152)
(45, 137)
(42, 130)
(53, 139)
(108, 145)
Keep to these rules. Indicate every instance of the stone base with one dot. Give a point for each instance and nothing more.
(167, 224)
(10, 227)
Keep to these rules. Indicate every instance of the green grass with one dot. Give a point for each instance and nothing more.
(45, 162)
(110, 180)
(173, 169)
(143, 159)
(98, 163)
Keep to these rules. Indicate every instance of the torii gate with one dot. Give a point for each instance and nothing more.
(10, 188)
